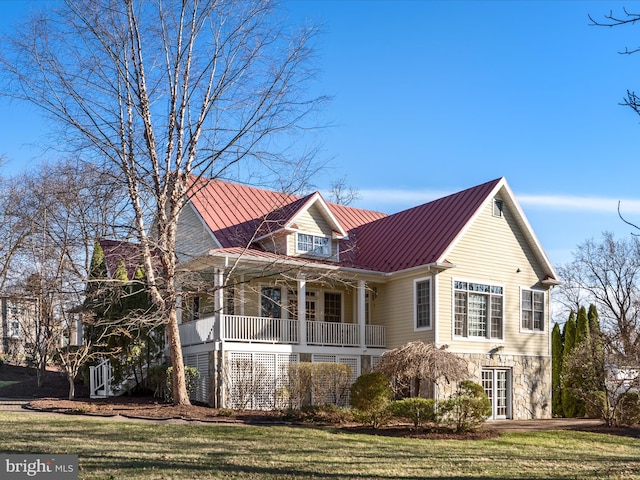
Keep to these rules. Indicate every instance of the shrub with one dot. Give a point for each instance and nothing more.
(325, 383)
(327, 413)
(628, 412)
(467, 408)
(370, 396)
(159, 378)
(596, 404)
(416, 410)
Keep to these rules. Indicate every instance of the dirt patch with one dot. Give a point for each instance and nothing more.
(131, 407)
(22, 382)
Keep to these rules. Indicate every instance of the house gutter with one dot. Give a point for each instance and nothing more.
(228, 259)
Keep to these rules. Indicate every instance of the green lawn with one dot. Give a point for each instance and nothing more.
(111, 449)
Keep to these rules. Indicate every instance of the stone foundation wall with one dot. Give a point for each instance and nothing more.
(530, 382)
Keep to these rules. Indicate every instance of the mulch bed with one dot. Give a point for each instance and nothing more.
(52, 396)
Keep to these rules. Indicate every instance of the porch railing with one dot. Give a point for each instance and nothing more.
(375, 336)
(100, 377)
(197, 331)
(242, 328)
(260, 329)
(332, 333)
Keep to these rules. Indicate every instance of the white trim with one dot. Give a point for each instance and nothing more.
(486, 339)
(545, 313)
(213, 237)
(312, 252)
(508, 199)
(416, 328)
(508, 390)
(316, 197)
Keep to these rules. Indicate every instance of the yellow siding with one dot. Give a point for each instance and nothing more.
(393, 308)
(192, 237)
(312, 221)
(492, 251)
(276, 244)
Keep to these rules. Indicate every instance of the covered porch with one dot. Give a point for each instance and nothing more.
(309, 309)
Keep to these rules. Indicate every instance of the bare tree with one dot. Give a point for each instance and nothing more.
(60, 209)
(166, 90)
(15, 227)
(607, 273)
(631, 99)
(72, 358)
(341, 193)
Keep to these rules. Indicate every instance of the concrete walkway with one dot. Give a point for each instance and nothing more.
(542, 425)
(13, 404)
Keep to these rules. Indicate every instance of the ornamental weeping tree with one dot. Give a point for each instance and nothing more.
(415, 362)
(165, 91)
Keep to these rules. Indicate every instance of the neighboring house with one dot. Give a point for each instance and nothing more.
(19, 315)
(297, 279)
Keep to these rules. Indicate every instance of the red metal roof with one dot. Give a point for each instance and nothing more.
(414, 237)
(418, 236)
(236, 214)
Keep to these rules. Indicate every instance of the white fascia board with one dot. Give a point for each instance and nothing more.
(316, 197)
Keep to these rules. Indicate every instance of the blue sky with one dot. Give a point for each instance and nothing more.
(432, 97)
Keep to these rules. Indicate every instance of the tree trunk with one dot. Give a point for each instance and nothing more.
(179, 385)
(72, 387)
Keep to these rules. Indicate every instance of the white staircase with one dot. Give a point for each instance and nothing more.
(101, 384)
(100, 379)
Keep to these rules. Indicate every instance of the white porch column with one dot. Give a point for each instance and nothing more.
(242, 302)
(302, 308)
(218, 283)
(362, 320)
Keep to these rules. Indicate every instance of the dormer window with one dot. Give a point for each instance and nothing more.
(313, 244)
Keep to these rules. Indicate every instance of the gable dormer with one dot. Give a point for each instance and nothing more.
(310, 230)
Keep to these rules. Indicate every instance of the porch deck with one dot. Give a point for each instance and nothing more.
(246, 329)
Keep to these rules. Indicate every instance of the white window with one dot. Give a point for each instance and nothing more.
(271, 302)
(310, 305)
(532, 310)
(332, 307)
(318, 245)
(422, 301)
(14, 329)
(498, 207)
(478, 310)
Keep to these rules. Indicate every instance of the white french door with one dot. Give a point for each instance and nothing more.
(497, 385)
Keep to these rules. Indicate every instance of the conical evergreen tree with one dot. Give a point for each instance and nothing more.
(569, 403)
(556, 370)
(582, 327)
(95, 289)
(587, 373)
(597, 346)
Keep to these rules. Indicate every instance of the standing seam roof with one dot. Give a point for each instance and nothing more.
(417, 236)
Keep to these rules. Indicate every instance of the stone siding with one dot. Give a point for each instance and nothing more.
(530, 382)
